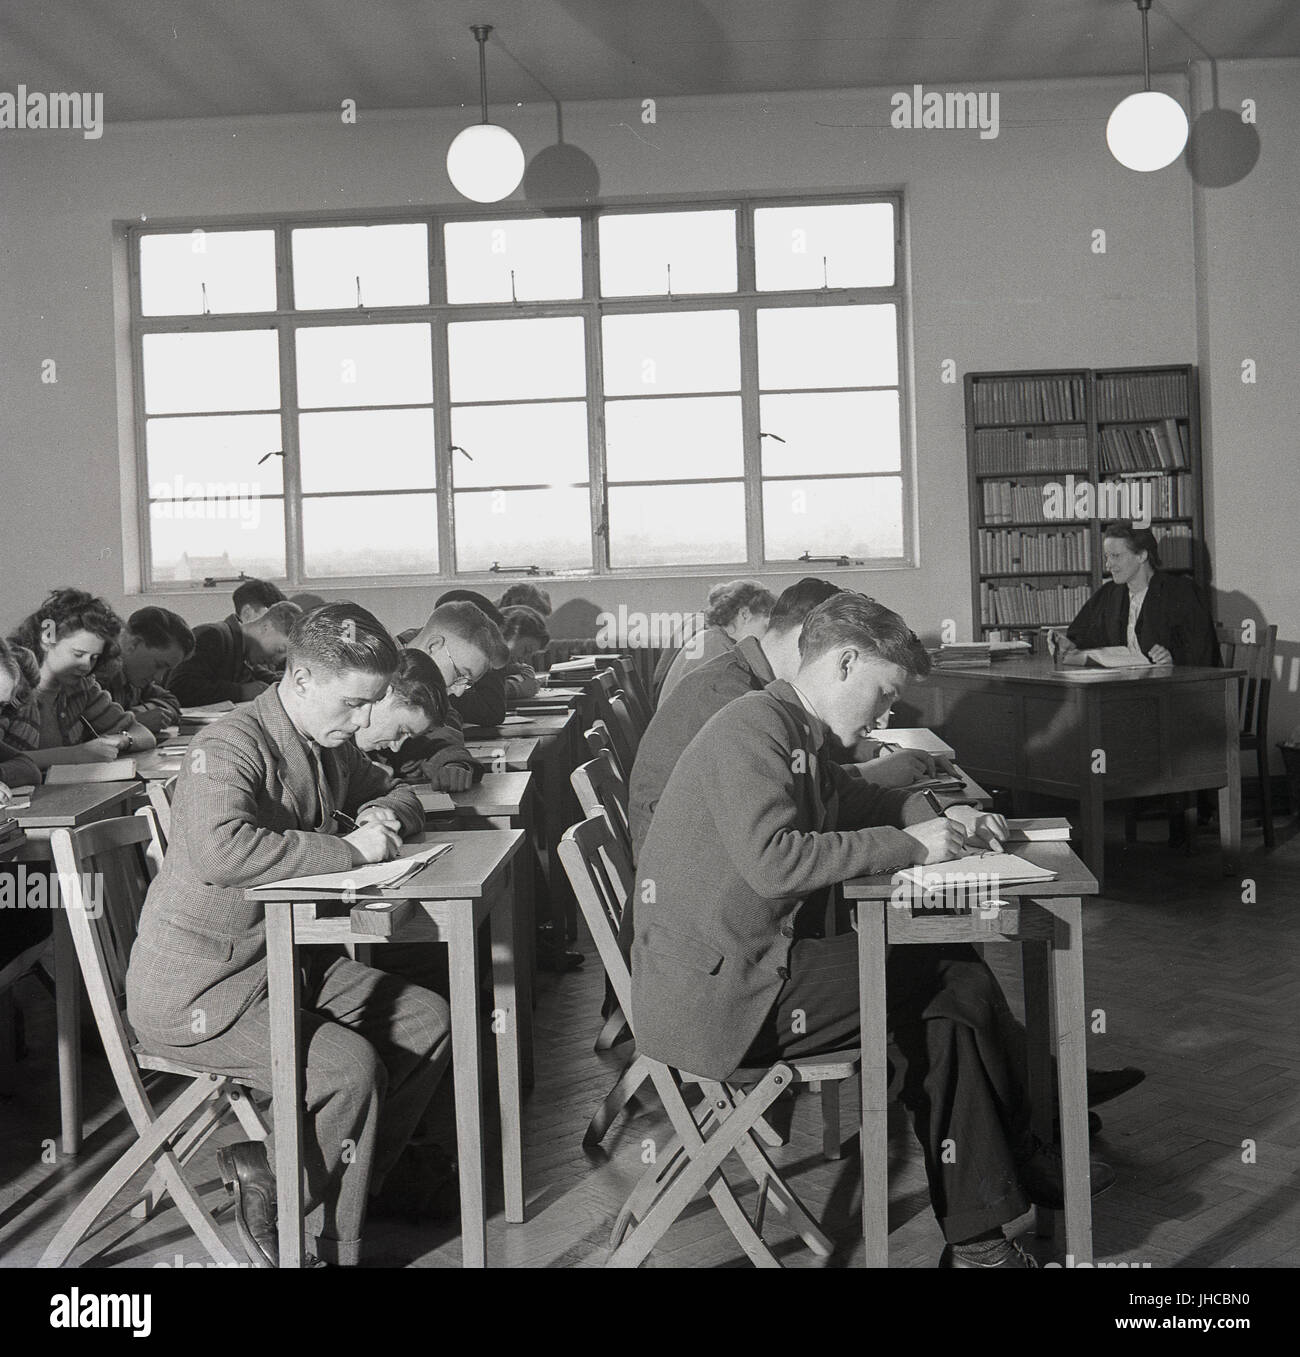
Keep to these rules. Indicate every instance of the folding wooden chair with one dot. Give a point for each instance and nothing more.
(1256, 658)
(599, 787)
(625, 673)
(624, 735)
(600, 741)
(123, 854)
(160, 793)
(727, 1121)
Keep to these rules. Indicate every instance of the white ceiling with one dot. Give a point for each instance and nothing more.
(215, 58)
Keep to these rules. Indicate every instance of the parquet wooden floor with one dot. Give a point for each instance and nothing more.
(1196, 985)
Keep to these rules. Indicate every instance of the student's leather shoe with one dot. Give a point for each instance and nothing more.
(245, 1171)
(1041, 1176)
(1011, 1256)
(1103, 1085)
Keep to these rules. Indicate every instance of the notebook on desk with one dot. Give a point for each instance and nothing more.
(373, 876)
(1116, 657)
(116, 770)
(1006, 868)
(433, 802)
(912, 737)
(1041, 829)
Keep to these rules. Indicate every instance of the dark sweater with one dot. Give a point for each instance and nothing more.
(219, 667)
(1172, 616)
(753, 821)
(678, 719)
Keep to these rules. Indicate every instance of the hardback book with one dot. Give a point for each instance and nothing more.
(118, 770)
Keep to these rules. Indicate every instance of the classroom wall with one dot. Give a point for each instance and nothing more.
(1248, 286)
(1002, 266)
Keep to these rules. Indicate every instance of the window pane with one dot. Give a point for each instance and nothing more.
(657, 253)
(214, 449)
(365, 365)
(370, 535)
(547, 528)
(844, 245)
(677, 438)
(385, 265)
(234, 370)
(684, 351)
(367, 450)
(676, 525)
(544, 255)
(811, 346)
(218, 538)
(198, 272)
(516, 359)
(861, 518)
(520, 444)
(848, 431)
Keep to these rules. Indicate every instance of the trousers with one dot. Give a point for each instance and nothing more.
(960, 1085)
(376, 1048)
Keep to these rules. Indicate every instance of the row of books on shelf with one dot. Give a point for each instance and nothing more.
(1061, 448)
(1175, 541)
(1142, 395)
(1010, 549)
(1030, 603)
(1145, 447)
(1023, 501)
(1028, 400)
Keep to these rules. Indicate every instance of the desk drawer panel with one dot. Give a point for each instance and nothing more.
(1197, 731)
(1131, 735)
(1051, 738)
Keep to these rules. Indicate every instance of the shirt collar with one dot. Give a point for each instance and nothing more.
(792, 697)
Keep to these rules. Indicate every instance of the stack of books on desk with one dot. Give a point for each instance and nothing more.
(962, 655)
(10, 831)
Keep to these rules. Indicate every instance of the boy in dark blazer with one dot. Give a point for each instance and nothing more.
(256, 802)
(731, 962)
(234, 661)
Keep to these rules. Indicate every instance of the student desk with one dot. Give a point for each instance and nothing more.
(1045, 917)
(1093, 735)
(557, 758)
(445, 902)
(68, 805)
(505, 801)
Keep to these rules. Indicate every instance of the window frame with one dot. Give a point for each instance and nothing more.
(285, 320)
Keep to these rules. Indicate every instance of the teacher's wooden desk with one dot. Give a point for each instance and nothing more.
(1093, 735)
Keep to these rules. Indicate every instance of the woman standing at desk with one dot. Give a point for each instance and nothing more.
(1158, 616)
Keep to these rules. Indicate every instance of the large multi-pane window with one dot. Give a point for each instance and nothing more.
(706, 387)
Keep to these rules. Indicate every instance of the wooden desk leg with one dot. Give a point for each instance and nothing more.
(67, 1023)
(286, 1079)
(874, 1081)
(512, 1026)
(1038, 1045)
(467, 1070)
(1092, 825)
(1072, 1074)
(1230, 795)
(525, 942)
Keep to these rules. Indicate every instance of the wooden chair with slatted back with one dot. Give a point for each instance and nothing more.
(600, 741)
(624, 735)
(727, 1120)
(599, 787)
(1256, 658)
(119, 857)
(160, 792)
(629, 681)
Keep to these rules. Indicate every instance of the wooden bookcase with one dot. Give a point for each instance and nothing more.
(1052, 456)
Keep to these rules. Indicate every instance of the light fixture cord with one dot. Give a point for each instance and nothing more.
(1143, 7)
(481, 31)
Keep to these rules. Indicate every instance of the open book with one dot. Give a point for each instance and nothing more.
(116, 770)
(912, 737)
(374, 876)
(998, 869)
(1117, 657)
